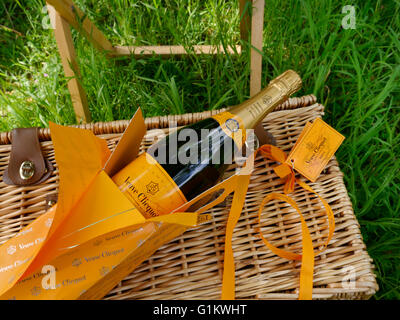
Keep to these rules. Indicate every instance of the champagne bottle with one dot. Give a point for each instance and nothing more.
(192, 159)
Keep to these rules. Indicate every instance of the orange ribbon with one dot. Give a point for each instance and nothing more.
(307, 257)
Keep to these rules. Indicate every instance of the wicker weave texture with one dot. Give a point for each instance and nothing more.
(190, 267)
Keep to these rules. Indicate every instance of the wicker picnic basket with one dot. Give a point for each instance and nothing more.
(190, 267)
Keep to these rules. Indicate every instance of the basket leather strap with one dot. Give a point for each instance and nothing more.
(27, 165)
(264, 136)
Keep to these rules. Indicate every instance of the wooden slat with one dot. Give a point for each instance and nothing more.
(68, 10)
(171, 50)
(257, 24)
(66, 48)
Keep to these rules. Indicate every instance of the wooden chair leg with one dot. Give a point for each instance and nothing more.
(257, 24)
(66, 48)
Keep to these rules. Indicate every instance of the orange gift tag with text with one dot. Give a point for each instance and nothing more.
(316, 145)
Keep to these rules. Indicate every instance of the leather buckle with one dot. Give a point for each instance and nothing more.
(26, 166)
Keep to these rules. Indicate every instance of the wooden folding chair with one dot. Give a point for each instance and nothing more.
(64, 13)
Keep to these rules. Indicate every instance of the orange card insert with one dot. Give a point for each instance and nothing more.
(316, 145)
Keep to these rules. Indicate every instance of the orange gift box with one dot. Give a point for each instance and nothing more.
(87, 243)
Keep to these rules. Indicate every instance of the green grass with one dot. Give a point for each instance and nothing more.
(354, 73)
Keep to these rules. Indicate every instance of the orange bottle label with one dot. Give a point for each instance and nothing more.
(149, 187)
(233, 126)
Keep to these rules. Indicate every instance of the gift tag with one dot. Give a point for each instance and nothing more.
(316, 145)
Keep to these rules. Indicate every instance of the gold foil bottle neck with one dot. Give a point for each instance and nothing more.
(290, 80)
(254, 110)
